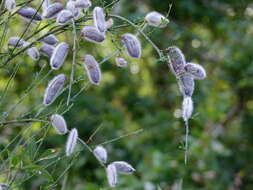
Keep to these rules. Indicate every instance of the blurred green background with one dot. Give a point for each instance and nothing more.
(145, 95)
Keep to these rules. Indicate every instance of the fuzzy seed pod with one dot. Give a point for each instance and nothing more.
(196, 70)
(101, 154)
(33, 53)
(59, 124)
(121, 62)
(52, 10)
(186, 84)
(156, 19)
(4, 186)
(92, 69)
(112, 175)
(64, 17)
(71, 7)
(91, 34)
(109, 23)
(10, 5)
(46, 50)
(132, 44)
(50, 39)
(123, 167)
(71, 142)
(99, 19)
(53, 89)
(82, 4)
(59, 55)
(187, 108)
(16, 42)
(29, 13)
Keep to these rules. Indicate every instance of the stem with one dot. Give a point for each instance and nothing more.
(186, 142)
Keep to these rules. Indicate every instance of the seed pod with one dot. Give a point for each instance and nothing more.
(16, 42)
(33, 53)
(112, 176)
(50, 39)
(91, 34)
(71, 7)
(64, 17)
(109, 23)
(186, 84)
(123, 167)
(82, 4)
(71, 142)
(156, 19)
(53, 89)
(59, 124)
(46, 50)
(92, 69)
(187, 108)
(59, 55)
(121, 62)
(29, 13)
(132, 44)
(52, 10)
(45, 4)
(10, 5)
(4, 186)
(177, 60)
(99, 19)
(196, 70)
(100, 153)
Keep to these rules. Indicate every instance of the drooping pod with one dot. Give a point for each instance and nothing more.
(53, 89)
(187, 108)
(82, 4)
(16, 42)
(92, 69)
(71, 7)
(121, 62)
(52, 10)
(46, 50)
(50, 39)
(10, 5)
(109, 23)
(64, 17)
(132, 44)
(71, 142)
(123, 167)
(196, 70)
(99, 19)
(186, 84)
(59, 55)
(29, 13)
(156, 19)
(59, 124)
(112, 175)
(100, 153)
(91, 34)
(33, 53)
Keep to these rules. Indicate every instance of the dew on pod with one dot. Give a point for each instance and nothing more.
(59, 55)
(59, 124)
(132, 44)
(156, 19)
(52, 10)
(10, 5)
(91, 34)
(100, 153)
(92, 69)
(16, 42)
(50, 39)
(71, 142)
(123, 167)
(71, 7)
(196, 70)
(33, 53)
(112, 175)
(121, 62)
(29, 13)
(99, 19)
(187, 108)
(64, 17)
(82, 4)
(46, 50)
(109, 23)
(53, 89)
(186, 84)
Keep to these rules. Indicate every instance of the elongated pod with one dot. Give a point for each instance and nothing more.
(59, 55)
(132, 44)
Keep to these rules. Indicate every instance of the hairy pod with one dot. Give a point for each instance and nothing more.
(92, 69)
(45, 4)
(132, 44)
(112, 175)
(186, 84)
(187, 108)
(121, 62)
(99, 19)
(123, 167)
(71, 7)
(91, 34)
(59, 55)
(100, 153)
(196, 70)
(64, 17)
(10, 5)
(46, 50)
(109, 23)
(52, 10)
(33, 53)
(82, 4)
(4, 186)
(16, 42)
(59, 124)
(53, 89)
(50, 39)
(71, 142)
(156, 19)
(29, 13)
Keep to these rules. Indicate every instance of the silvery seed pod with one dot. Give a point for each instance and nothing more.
(186, 84)
(109, 23)
(187, 108)
(156, 19)
(99, 19)
(111, 174)
(53, 89)
(33, 53)
(50, 39)
(132, 44)
(91, 34)
(71, 6)
(59, 124)
(177, 60)
(10, 5)
(4, 186)
(46, 50)
(16, 42)
(123, 167)
(52, 10)
(82, 4)
(64, 17)
(29, 13)
(121, 62)
(71, 142)
(197, 71)
(101, 154)
(59, 55)
(92, 69)
(45, 4)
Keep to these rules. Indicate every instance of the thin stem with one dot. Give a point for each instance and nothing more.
(186, 142)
